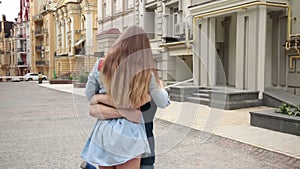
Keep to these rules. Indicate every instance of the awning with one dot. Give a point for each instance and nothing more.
(79, 42)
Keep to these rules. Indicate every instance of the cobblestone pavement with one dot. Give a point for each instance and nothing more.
(43, 128)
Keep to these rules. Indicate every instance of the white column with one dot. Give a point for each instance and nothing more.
(89, 33)
(239, 81)
(252, 51)
(142, 14)
(212, 52)
(204, 52)
(261, 48)
(100, 16)
(109, 8)
(196, 55)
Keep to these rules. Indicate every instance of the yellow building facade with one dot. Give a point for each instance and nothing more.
(42, 39)
(6, 47)
(76, 30)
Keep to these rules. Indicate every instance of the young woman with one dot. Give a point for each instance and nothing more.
(129, 77)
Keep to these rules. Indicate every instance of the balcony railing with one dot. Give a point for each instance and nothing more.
(21, 36)
(37, 33)
(80, 51)
(39, 48)
(38, 18)
(42, 63)
(21, 62)
(21, 50)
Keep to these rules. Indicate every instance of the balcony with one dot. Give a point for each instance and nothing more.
(20, 36)
(79, 51)
(45, 31)
(21, 62)
(38, 33)
(42, 63)
(38, 18)
(21, 50)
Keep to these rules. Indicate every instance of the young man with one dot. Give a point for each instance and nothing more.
(99, 109)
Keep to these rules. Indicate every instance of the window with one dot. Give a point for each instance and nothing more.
(69, 45)
(150, 19)
(125, 5)
(82, 22)
(104, 10)
(69, 24)
(114, 10)
(174, 24)
(175, 20)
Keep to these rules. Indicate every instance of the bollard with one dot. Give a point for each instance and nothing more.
(40, 79)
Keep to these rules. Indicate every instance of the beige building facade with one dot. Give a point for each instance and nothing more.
(160, 20)
(240, 44)
(7, 50)
(42, 39)
(233, 43)
(248, 45)
(76, 29)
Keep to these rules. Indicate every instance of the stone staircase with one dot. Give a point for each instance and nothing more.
(275, 97)
(200, 97)
(222, 98)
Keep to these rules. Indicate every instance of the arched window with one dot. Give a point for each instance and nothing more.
(82, 22)
(69, 24)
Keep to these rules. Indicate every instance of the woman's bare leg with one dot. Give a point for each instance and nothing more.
(131, 164)
(101, 167)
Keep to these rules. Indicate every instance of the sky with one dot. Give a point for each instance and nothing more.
(10, 8)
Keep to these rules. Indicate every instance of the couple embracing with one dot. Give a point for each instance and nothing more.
(124, 92)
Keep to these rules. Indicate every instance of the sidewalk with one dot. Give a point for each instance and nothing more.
(232, 124)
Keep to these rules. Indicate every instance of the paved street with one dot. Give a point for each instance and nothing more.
(44, 128)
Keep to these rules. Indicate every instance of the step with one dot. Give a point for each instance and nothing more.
(234, 96)
(204, 91)
(201, 95)
(232, 105)
(275, 97)
(198, 100)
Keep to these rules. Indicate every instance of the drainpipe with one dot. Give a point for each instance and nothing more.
(255, 3)
(291, 61)
(294, 56)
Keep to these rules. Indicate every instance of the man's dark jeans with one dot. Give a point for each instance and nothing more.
(148, 110)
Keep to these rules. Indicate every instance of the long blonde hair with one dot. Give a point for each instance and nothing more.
(128, 67)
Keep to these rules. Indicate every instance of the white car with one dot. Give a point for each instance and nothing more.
(15, 79)
(33, 76)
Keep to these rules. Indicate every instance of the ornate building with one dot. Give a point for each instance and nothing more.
(42, 37)
(6, 46)
(241, 44)
(159, 19)
(21, 62)
(76, 30)
(119, 14)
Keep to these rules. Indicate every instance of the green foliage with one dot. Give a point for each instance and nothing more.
(288, 109)
(83, 77)
(54, 75)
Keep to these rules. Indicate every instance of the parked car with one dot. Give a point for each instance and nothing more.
(15, 79)
(33, 76)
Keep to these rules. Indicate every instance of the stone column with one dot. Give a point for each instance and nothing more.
(204, 42)
(261, 49)
(212, 52)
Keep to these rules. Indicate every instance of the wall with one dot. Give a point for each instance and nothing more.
(295, 5)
